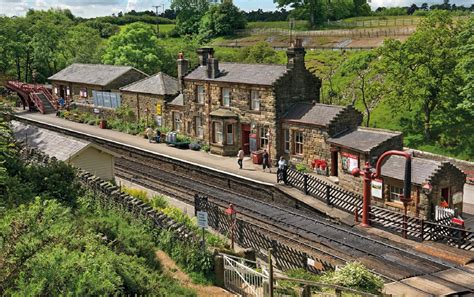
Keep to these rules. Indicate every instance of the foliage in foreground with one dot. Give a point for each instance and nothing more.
(47, 248)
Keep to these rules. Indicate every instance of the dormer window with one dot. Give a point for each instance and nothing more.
(255, 100)
(226, 97)
(200, 94)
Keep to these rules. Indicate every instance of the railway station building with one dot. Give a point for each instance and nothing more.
(234, 105)
(79, 82)
(149, 96)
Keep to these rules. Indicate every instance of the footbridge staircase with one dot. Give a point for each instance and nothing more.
(33, 96)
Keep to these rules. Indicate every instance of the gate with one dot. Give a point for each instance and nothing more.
(242, 279)
(443, 214)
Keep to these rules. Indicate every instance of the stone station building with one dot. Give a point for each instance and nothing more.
(233, 105)
(78, 81)
(150, 95)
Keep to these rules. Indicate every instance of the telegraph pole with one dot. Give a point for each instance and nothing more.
(157, 19)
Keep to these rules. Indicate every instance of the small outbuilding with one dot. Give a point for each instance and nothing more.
(434, 183)
(148, 97)
(353, 149)
(79, 153)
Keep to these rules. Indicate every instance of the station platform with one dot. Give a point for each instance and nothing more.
(251, 172)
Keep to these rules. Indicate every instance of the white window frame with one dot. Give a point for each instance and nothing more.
(83, 93)
(395, 193)
(229, 135)
(255, 100)
(287, 141)
(263, 137)
(225, 93)
(199, 128)
(299, 142)
(218, 137)
(177, 123)
(68, 91)
(56, 90)
(200, 94)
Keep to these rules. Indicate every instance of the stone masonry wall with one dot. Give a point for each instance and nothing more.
(139, 102)
(129, 77)
(347, 120)
(239, 104)
(347, 180)
(314, 146)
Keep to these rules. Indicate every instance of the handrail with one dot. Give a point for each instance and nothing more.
(39, 104)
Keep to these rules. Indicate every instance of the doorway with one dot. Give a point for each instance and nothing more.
(246, 138)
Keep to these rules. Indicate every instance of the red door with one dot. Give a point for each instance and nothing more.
(246, 138)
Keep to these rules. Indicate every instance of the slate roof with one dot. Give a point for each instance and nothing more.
(178, 100)
(422, 170)
(317, 114)
(51, 143)
(224, 113)
(158, 84)
(363, 140)
(259, 74)
(92, 74)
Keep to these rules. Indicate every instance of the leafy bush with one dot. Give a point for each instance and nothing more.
(356, 276)
(302, 168)
(182, 138)
(206, 148)
(159, 202)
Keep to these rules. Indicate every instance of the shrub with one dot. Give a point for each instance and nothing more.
(182, 138)
(301, 168)
(356, 276)
(159, 202)
(206, 148)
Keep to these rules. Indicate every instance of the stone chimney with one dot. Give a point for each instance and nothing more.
(204, 53)
(183, 66)
(296, 54)
(212, 68)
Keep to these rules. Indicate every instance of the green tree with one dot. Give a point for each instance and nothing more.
(317, 9)
(189, 14)
(420, 71)
(261, 52)
(83, 45)
(136, 45)
(367, 85)
(221, 20)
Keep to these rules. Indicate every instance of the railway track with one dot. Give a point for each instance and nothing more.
(391, 261)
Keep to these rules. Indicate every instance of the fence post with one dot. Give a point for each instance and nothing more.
(305, 183)
(196, 204)
(422, 231)
(328, 195)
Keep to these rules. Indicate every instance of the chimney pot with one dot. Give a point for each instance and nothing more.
(183, 66)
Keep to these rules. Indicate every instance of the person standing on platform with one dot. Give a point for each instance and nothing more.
(240, 158)
(149, 133)
(158, 136)
(266, 161)
(281, 174)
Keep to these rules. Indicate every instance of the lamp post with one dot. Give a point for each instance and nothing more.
(232, 213)
(368, 176)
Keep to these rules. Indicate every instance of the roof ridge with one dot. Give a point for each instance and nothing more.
(257, 64)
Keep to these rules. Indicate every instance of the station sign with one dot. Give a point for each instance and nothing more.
(202, 219)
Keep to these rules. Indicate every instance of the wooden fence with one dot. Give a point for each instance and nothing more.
(354, 33)
(414, 228)
(249, 235)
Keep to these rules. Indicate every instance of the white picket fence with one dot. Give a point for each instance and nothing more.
(443, 213)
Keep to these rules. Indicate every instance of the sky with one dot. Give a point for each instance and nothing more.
(91, 8)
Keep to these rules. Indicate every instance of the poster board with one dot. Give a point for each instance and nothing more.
(158, 109)
(377, 188)
(457, 197)
(202, 219)
(349, 162)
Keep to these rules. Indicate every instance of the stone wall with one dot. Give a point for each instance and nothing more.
(314, 146)
(347, 180)
(239, 104)
(127, 78)
(347, 120)
(138, 102)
